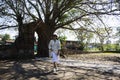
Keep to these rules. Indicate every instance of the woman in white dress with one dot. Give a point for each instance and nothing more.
(54, 48)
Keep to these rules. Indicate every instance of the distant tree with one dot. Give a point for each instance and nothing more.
(118, 36)
(62, 38)
(6, 37)
(118, 32)
(103, 34)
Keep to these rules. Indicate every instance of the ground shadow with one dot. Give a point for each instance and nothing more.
(22, 70)
(42, 70)
(113, 59)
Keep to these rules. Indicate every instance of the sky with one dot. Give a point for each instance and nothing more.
(111, 22)
(11, 32)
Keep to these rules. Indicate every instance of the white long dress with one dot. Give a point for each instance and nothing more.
(54, 45)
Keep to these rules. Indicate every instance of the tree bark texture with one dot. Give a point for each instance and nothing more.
(25, 41)
(44, 35)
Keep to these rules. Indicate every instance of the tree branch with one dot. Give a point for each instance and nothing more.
(36, 8)
(7, 26)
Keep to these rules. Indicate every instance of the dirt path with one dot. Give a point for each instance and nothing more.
(41, 69)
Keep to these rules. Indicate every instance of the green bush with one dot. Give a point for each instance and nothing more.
(111, 47)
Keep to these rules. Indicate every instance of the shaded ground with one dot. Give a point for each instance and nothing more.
(102, 58)
(42, 70)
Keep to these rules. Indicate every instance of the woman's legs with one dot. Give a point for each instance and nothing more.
(55, 65)
(55, 61)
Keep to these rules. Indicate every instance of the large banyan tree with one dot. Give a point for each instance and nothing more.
(46, 16)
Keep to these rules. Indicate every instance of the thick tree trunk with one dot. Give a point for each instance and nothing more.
(44, 35)
(25, 42)
(42, 46)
